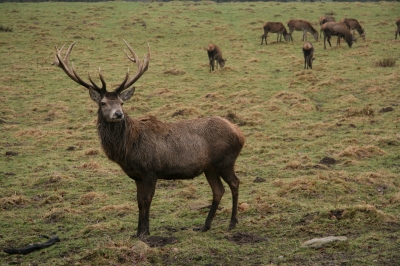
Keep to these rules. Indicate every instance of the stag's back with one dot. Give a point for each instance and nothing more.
(324, 19)
(274, 27)
(190, 146)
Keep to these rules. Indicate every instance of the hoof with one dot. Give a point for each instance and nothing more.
(142, 235)
(232, 225)
(202, 229)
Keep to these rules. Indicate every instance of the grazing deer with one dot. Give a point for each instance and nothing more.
(274, 27)
(353, 24)
(308, 52)
(398, 28)
(302, 25)
(148, 149)
(338, 29)
(215, 54)
(323, 20)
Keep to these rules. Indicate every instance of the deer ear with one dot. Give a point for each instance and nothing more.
(94, 95)
(127, 94)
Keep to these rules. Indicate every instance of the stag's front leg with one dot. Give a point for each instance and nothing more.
(145, 193)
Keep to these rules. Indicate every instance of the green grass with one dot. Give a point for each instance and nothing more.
(57, 180)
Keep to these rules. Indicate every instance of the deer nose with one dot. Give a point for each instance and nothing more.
(119, 114)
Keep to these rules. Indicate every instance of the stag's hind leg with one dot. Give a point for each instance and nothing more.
(218, 191)
(233, 181)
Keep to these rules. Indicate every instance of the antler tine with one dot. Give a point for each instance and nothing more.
(70, 71)
(103, 83)
(365, 31)
(141, 68)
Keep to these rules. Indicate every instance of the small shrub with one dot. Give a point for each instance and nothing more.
(387, 62)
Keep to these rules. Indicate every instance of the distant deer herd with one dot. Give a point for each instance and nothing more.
(344, 29)
(148, 149)
(329, 27)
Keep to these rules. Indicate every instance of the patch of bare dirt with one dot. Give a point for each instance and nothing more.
(241, 238)
(160, 241)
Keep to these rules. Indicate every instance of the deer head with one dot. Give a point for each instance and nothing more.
(110, 103)
(286, 36)
(362, 36)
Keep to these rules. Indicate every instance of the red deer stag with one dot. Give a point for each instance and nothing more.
(148, 149)
(353, 24)
(302, 25)
(308, 52)
(215, 54)
(398, 28)
(338, 29)
(323, 19)
(274, 27)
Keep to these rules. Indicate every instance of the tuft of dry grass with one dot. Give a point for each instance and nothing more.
(174, 71)
(365, 111)
(386, 62)
(90, 197)
(361, 152)
(13, 201)
(90, 165)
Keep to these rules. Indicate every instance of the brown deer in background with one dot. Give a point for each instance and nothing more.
(398, 28)
(302, 25)
(274, 27)
(323, 19)
(353, 24)
(308, 52)
(215, 54)
(337, 29)
(148, 149)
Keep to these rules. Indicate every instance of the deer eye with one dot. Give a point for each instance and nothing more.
(122, 103)
(103, 104)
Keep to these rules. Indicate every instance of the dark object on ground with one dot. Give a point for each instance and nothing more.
(259, 180)
(328, 161)
(30, 248)
(386, 109)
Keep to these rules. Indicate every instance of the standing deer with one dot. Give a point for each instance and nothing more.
(215, 54)
(302, 25)
(323, 19)
(148, 149)
(353, 24)
(308, 52)
(274, 27)
(338, 29)
(398, 28)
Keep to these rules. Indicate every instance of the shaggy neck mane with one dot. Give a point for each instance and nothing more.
(117, 138)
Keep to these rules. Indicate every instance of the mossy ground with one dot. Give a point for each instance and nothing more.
(54, 178)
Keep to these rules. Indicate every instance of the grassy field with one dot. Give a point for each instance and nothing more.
(322, 146)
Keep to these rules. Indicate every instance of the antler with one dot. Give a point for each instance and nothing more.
(70, 71)
(142, 67)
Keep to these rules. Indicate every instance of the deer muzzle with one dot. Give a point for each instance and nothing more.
(119, 114)
(115, 116)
